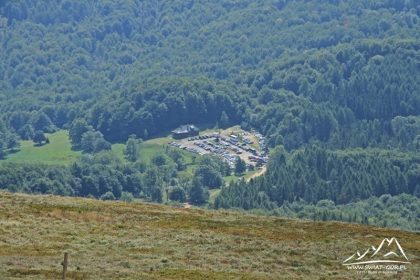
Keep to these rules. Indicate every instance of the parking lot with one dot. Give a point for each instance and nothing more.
(228, 146)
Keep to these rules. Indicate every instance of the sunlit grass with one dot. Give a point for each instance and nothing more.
(116, 240)
(58, 151)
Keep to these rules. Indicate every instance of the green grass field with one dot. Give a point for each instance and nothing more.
(148, 149)
(117, 240)
(153, 147)
(57, 152)
(118, 150)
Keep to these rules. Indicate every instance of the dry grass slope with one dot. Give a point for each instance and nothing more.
(114, 240)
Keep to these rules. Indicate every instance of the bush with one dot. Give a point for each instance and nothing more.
(127, 197)
(108, 196)
(178, 194)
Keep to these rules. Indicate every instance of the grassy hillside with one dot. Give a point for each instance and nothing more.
(58, 151)
(149, 148)
(113, 240)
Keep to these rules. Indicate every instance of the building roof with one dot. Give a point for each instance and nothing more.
(185, 129)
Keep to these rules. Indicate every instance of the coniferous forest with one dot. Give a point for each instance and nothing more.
(334, 87)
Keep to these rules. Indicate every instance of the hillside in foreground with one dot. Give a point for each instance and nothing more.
(115, 240)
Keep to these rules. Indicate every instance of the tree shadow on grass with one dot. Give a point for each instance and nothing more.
(40, 144)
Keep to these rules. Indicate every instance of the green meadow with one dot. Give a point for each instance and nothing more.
(58, 151)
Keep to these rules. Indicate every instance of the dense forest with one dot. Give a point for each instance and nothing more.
(315, 174)
(396, 211)
(333, 86)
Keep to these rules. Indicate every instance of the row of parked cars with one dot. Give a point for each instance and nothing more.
(189, 149)
(229, 147)
(226, 150)
(203, 137)
(235, 145)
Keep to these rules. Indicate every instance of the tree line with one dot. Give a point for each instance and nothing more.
(104, 175)
(315, 174)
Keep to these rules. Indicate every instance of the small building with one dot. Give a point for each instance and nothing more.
(185, 131)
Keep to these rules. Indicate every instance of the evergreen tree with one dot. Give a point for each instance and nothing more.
(240, 166)
(197, 194)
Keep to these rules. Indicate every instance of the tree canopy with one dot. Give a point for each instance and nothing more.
(332, 85)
